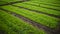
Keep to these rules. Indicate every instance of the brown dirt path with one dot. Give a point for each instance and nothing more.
(35, 24)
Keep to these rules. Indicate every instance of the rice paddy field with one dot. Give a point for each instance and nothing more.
(29, 16)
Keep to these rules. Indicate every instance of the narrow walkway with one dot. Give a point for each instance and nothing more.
(35, 24)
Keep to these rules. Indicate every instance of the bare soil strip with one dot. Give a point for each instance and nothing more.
(38, 11)
(35, 24)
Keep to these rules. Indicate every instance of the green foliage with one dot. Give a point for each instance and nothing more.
(38, 17)
(14, 25)
(40, 11)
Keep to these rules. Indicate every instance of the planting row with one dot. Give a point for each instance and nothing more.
(10, 0)
(39, 9)
(42, 5)
(48, 3)
(13, 25)
(38, 17)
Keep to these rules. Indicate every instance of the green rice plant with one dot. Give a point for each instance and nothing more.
(42, 5)
(14, 25)
(39, 9)
(37, 17)
(10, 0)
(43, 2)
